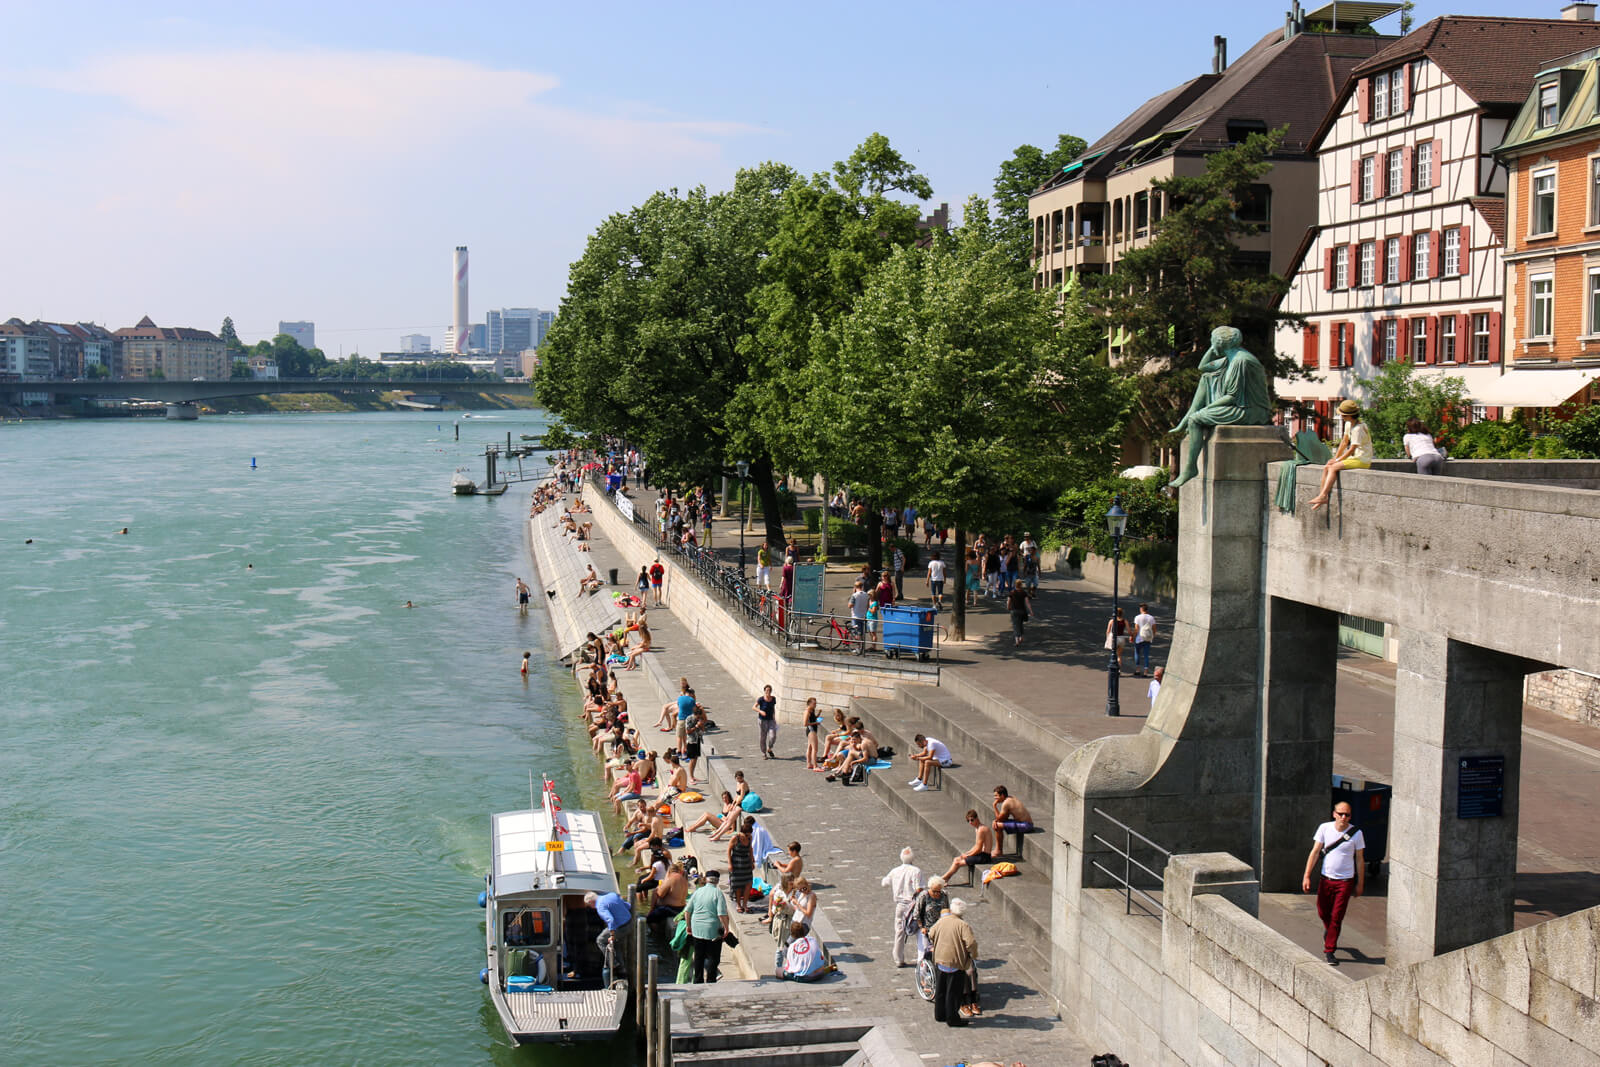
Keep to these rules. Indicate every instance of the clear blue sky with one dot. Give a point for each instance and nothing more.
(300, 160)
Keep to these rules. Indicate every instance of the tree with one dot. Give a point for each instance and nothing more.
(1396, 394)
(230, 337)
(646, 344)
(1168, 295)
(831, 232)
(240, 369)
(953, 387)
(1028, 168)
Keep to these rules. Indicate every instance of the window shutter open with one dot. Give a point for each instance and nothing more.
(1405, 72)
(1466, 250)
(1433, 339)
(1407, 180)
(1309, 352)
(1364, 99)
(1354, 259)
(1407, 250)
(1463, 338)
(1435, 253)
(1377, 344)
(1355, 180)
(1327, 269)
(1494, 337)
(1438, 161)
(1380, 273)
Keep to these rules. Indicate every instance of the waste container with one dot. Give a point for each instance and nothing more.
(907, 631)
(1369, 812)
(613, 573)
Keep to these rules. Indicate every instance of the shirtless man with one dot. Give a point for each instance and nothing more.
(677, 779)
(523, 593)
(671, 894)
(590, 582)
(982, 846)
(1009, 815)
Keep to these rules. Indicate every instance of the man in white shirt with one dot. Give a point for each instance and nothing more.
(903, 883)
(936, 581)
(1344, 872)
(1155, 686)
(859, 599)
(1144, 632)
(930, 753)
(804, 960)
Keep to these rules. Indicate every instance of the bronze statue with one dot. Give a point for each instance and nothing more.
(1232, 392)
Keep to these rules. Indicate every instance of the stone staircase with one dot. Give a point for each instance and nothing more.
(986, 753)
(808, 1046)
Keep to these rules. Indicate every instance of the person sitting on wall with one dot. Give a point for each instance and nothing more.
(1354, 452)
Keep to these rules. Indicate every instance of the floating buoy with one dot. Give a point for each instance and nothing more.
(252, 463)
(483, 976)
(483, 899)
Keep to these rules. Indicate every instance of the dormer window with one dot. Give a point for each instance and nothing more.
(1549, 104)
(1380, 96)
(1397, 93)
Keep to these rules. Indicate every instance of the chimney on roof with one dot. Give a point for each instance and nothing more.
(1294, 21)
(1219, 52)
(1578, 12)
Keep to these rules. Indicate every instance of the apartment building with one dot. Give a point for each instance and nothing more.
(176, 352)
(1102, 203)
(24, 352)
(1552, 260)
(1406, 259)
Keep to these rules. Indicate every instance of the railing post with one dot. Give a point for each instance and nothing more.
(1127, 869)
(664, 1035)
(638, 966)
(647, 1020)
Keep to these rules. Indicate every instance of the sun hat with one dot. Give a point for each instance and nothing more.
(1349, 407)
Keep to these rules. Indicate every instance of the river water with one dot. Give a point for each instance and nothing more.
(244, 792)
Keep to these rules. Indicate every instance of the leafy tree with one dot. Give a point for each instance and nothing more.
(1397, 394)
(97, 370)
(1581, 433)
(240, 369)
(1167, 296)
(294, 360)
(830, 233)
(230, 336)
(953, 387)
(646, 344)
(1028, 168)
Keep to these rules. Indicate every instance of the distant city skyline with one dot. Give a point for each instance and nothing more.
(192, 161)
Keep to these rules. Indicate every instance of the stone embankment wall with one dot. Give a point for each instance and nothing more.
(1571, 694)
(1208, 983)
(794, 674)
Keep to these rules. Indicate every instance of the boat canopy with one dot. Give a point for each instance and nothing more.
(528, 857)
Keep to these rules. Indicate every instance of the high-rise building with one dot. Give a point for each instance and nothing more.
(458, 323)
(511, 329)
(542, 327)
(305, 333)
(416, 343)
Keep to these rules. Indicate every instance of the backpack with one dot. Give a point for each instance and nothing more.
(857, 775)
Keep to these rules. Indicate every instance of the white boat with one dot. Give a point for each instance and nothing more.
(462, 484)
(548, 977)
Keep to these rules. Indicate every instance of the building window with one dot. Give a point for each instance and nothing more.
(1369, 263)
(1541, 305)
(1480, 413)
(1255, 207)
(1452, 252)
(1395, 177)
(1447, 339)
(1421, 250)
(1419, 340)
(1594, 190)
(1480, 337)
(1594, 301)
(1422, 165)
(1341, 346)
(1391, 339)
(1391, 261)
(1116, 218)
(1549, 104)
(1141, 214)
(1542, 206)
(1341, 267)
(1155, 208)
(1369, 168)
(1397, 93)
(1380, 96)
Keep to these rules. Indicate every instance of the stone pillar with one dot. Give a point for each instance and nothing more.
(1450, 879)
(1296, 738)
(722, 499)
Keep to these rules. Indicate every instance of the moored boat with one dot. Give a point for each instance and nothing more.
(548, 976)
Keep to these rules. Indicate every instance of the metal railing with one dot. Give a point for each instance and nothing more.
(1125, 878)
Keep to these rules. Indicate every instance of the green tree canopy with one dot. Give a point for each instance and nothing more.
(1397, 393)
(1028, 168)
(230, 336)
(1167, 296)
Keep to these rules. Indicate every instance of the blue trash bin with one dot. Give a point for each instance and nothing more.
(907, 631)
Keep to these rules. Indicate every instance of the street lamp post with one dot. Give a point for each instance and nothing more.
(1116, 525)
(744, 506)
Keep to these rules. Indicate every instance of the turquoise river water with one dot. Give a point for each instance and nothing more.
(244, 792)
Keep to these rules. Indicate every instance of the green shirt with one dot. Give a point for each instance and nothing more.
(764, 556)
(705, 910)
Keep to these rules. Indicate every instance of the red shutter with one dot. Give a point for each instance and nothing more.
(1406, 181)
(1322, 411)
(1309, 354)
(1380, 249)
(1492, 413)
(1433, 339)
(1463, 338)
(1407, 249)
(1355, 265)
(1380, 175)
(1327, 269)
(1406, 73)
(1377, 344)
(1466, 251)
(1494, 337)
(1435, 253)
(1402, 341)
(1355, 180)
(1438, 161)
(1364, 99)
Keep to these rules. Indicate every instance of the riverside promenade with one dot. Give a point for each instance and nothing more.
(1045, 698)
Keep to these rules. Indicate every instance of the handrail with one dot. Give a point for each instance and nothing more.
(1125, 879)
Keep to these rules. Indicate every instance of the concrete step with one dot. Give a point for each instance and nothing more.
(971, 781)
(724, 1039)
(815, 1055)
(1031, 767)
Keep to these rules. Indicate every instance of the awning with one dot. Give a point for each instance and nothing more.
(1533, 388)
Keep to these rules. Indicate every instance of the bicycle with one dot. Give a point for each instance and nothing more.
(831, 637)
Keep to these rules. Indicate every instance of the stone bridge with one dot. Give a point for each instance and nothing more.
(173, 391)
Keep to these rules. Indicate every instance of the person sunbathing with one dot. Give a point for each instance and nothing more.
(717, 822)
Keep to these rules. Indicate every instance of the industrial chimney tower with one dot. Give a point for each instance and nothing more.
(462, 329)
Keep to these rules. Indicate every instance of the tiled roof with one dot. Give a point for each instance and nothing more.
(149, 331)
(1492, 59)
(1493, 210)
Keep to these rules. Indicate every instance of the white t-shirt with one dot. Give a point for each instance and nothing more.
(937, 750)
(1338, 860)
(804, 957)
(936, 570)
(1155, 687)
(858, 603)
(1420, 444)
(1144, 626)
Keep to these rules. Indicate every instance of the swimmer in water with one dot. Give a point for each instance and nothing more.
(526, 656)
(124, 529)
(408, 603)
